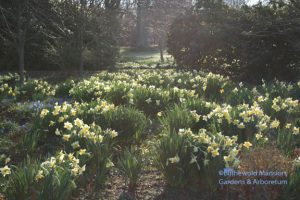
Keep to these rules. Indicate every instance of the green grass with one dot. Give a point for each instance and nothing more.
(142, 58)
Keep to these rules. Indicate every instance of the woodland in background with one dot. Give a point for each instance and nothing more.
(229, 37)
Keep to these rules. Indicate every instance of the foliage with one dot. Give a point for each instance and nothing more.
(173, 159)
(51, 36)
(21, 182)
(292, 189)
(130, 164)
(177, 118)
(249, 44)
(128, 122)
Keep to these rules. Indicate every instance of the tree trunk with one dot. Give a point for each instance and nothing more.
(141, 38)
(81, 61)
(20, 44)
(161, 49)
(21, 61)
(81, 36)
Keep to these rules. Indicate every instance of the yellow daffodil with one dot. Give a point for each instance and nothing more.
(82, 152)
(296, 130)
(275, 124)
(287, 126)
(109, 164)
(44, 112)
(78, 122)
(175, 159)
(68, 126)
(40, 175)
(258, 136)
(159, 114)
(228, 158)
(5, 170)
(215, 152)
(247, 145)
(75, 145)
(66, 137)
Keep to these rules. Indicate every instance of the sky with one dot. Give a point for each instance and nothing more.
(251, 2)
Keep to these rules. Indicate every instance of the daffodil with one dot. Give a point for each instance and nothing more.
(68, 126)
(113, 133)
(5, 170)
(82, 152)
(44, 112)
(193, 159)
(75, 145)
(275, 124)
(288, 125)
(159, 114)
(149, 100)
(296, 130)
(247, 145)
(7, 160)
(51, 123)
(215, 152)
(229, 142)
(66, 137)
(52, 162)
(228, 158)
(241, 125)
(109, 164)
(175, 159)
(258, 136)
(78, 122)
(57, 132)
(40, 175)
(61, 119)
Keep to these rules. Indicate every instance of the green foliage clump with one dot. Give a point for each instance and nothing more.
(249, 43)
(130, 164)
(128, 122)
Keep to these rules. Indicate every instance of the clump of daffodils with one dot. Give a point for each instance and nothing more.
(63, 160)
(214, 144)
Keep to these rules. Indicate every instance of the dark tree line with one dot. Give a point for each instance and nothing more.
(66, 34)
(247, 43)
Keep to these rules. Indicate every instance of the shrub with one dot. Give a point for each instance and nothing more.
(128, 122)
(247, 43)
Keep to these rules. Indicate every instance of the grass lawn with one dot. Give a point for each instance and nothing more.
(136, 58)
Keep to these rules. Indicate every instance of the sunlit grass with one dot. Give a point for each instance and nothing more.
(147, 58)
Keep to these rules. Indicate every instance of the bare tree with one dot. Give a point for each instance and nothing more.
(163, 13)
